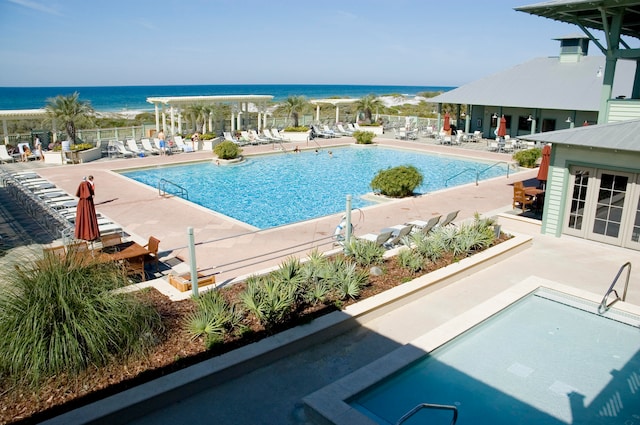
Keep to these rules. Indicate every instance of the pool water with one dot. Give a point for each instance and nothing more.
(273, 190)
(541, 361)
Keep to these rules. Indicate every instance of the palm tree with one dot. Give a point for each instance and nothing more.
(70, 111)
(367, 104)
(197, 113)
(292, 106)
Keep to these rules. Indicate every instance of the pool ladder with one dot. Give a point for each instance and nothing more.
(421, 406)
(162, 189)
(478, 172)
(604, 304)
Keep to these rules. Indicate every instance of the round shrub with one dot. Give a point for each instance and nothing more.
(364, 137)
(527, 158)
(300, 129)
(397, 182)
(227, 150)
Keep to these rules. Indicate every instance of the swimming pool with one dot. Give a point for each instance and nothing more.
(272, 190)
(546, 359)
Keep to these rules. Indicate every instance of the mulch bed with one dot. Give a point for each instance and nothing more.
(176, 350)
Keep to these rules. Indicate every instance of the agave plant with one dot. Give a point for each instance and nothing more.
(365, 253)
(348, 281)
(411, 259)
(213, 318)
(269, 299)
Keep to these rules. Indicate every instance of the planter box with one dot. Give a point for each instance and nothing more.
(295, 136)
(57, 157)
(375, 129)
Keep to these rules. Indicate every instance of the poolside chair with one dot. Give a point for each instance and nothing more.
(135, 267)
(449, 218)
(111, 240)
(379, 239)
(180, 144)
(397, 235)
(425, 226)
(276, 134)
(133, 147)
(326, 130)
(342, 130)
(4, 155)
(152, 246)
(520, 198)
(254, 134)
(268, 135)
(119, 144)
(146, 145)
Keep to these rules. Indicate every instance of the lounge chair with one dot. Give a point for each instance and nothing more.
(180, 144)
(276, 134)
(246, 137)
(122, 150)
(398, 233)
(425, 226)
(330, 133)
(379, 239)
(4, 155)
(449, 218)
(268, 135)
(342, 130)
(133, 147)
(146, 145)
(254, 134)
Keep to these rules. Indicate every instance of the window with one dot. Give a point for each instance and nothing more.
(524, 124)
(548, 124)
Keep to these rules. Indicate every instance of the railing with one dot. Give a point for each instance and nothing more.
(461, 173)
(604, 305)
(162, 189)
(421, 406)
(490, 167)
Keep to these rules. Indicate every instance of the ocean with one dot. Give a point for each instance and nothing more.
(134, 98)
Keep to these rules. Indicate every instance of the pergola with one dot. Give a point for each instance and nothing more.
(334, 102)
(615, 18)
(240, 104)
(20, 114)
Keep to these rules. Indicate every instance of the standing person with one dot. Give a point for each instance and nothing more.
(37, 147)
(195, 141)
(162, 142)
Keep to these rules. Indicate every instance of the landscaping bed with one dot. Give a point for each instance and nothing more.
(177, 348)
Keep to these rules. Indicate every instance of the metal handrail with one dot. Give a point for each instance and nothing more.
(460, 173)
(490, 167)
(421, 406)
(604, 306)
(162, 188)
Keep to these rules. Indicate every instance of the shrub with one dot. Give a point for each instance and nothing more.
(227, 150)
(61, 315)
(397, 182)
(208, 136)
(300, 129)
(411, 259)
(364, 137)
(347, 282)
(365, 253)
(527, 158)
(76, 148)
(212, 319)
(270, 300)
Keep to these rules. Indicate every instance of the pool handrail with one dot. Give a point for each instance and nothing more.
(604, 306)
(162, 188)
(508, 164)
(421, 406)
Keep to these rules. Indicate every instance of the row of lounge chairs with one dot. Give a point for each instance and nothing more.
(251, 137)
(54, 208)
(391, 237)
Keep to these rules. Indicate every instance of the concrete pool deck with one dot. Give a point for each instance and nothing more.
(273, 394)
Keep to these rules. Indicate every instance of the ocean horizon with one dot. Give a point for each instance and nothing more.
(134, 98)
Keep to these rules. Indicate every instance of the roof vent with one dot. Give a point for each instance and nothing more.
(573, 47)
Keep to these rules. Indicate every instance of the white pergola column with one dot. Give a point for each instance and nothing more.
(179, 122)
(172, 115)
(157, 117)
(239, 117)
(337, 114)
(259, 121)
(467, 120)
(210, 123)
(233, 121)
(164, 120)
(264, 120)
(318, 112)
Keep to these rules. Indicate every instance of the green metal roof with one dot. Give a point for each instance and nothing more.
(590, 14)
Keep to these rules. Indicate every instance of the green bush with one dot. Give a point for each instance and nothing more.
(213, 318)
(227, 150)
(269, 299)
(364, 137)
(527, 158)
(208, 136)
(63, 315)
(76, 148)
(300, 129)
(397, 182)
(365, 253)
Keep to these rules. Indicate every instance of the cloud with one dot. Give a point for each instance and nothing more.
(37, 7)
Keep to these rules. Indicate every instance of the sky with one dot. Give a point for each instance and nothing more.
(183, 42)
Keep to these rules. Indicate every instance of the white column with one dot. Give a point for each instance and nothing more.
(157, 117)
(259, 120)
(318, 113)
(239, 116)
(179, 122)
(172, 114)
(233, 121)
(337, 114)
(5, 131)
(264, 120)
(210, 124)
(164, 121)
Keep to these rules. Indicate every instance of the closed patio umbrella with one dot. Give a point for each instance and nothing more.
(86, 218)
(502, 128)
(543, 171)
(447, 122)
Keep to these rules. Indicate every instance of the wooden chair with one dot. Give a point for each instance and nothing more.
(520, 198)
(77, 247)
(111, 240)
(135, 266)
(152, 247)
(56, 251)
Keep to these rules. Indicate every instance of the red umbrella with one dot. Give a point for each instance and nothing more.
(502, 128)
(447, 123)
(544, 164)
(86, 218)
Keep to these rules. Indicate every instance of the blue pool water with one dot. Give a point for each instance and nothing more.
(273, 190)
(544, 360)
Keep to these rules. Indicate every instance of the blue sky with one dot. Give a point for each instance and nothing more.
(163, 42)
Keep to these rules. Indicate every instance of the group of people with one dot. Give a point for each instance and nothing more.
(25, 150)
